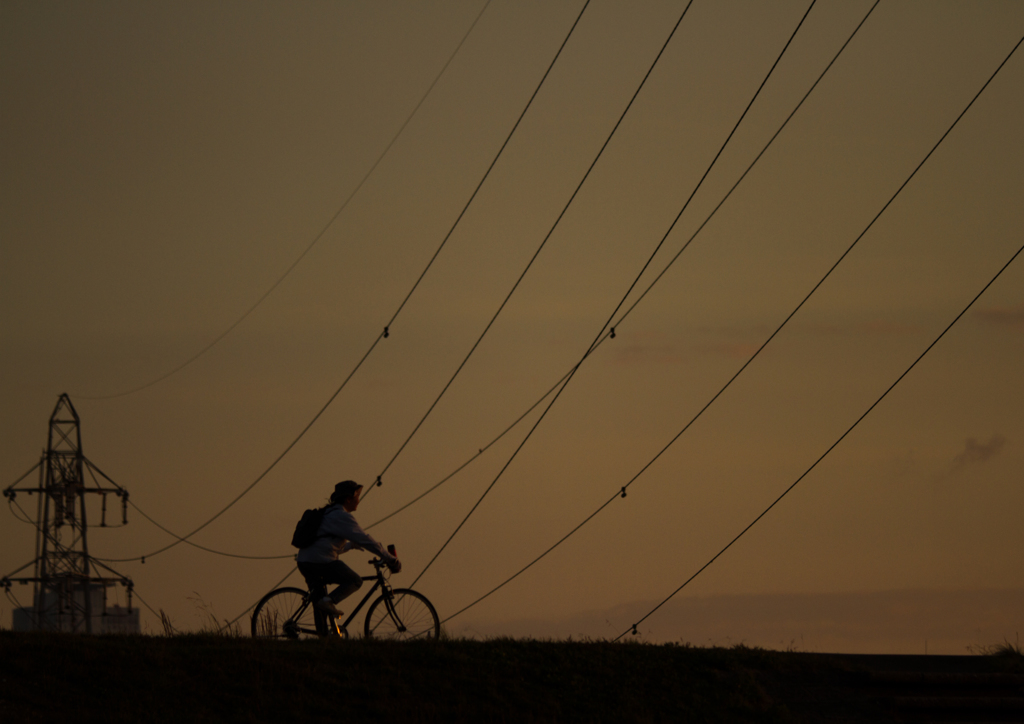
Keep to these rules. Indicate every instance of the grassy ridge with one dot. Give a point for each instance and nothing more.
(49, 677)
(204, 678)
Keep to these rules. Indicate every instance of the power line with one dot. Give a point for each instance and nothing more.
(25, 475)
(12, 504)
(380, 336)
(831, 447)
(30, 563)
(252, 605)
(12, 598)
(135, 594)
(496, 157)
(452, 229)
(316, 238)
(747, 171)
(93, 469)
(479, 452)
(597, 339)
(658, 278)
(621, 493)
(279, 458)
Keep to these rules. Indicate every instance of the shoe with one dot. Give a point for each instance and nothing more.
(327, 606)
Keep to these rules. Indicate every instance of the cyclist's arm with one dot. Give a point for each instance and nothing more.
(343, 525)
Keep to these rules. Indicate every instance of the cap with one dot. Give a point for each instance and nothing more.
(345, 490)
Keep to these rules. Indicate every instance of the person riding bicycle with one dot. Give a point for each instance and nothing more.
(338, 532)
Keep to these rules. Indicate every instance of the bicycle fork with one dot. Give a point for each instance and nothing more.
(389, 602)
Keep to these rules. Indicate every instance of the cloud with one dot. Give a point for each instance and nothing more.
(653, 348)
(856, 622)
(1005, 316)
(874, 327)
(978, 452)
(734, 350)
(646, 348)
(639, 353)
(886, 327)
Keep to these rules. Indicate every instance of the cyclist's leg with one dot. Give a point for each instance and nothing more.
(319, 575)
(348, 580)
(313, 573)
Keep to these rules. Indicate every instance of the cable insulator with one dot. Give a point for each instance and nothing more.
(103, 512)
(635, 632)
(386, 333)
(379, 481)
(143, 559)
(612, 335)
(623, 492)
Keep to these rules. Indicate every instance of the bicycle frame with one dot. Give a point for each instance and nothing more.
(341, 629)
(378, 582)
(278, 614)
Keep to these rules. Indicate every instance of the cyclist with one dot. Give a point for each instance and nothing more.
(338, 532)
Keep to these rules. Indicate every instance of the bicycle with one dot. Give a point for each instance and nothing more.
(398, 613)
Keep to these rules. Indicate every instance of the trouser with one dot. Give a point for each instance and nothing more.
(319, 575)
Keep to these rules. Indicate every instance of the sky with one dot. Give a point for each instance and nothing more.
(164, 165)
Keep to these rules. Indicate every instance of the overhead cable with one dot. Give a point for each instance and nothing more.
(12, 504)
(382, 335)
(25, 475)
(452, 229)
(629, 310)
(316, 238)
(228, 624)
(618, 493)
(631, 287)
(824, 454)
(93, 470)
(135, 594)
(489, 168)
(478, 453)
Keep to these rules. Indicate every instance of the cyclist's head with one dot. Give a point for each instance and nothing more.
(344, 491)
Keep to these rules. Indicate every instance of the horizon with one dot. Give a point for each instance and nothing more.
(167, 167)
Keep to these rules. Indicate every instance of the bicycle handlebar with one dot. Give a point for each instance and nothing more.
(378, 563)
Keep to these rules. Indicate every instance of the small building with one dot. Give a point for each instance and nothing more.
(105, 619)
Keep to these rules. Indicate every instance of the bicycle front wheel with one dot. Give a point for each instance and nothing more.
(409, 616)
(284, 613)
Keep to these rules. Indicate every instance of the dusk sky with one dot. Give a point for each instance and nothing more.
(162, 165)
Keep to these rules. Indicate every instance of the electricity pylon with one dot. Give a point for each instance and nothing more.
(68, 595)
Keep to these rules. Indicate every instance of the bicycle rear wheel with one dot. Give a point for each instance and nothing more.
(410, 616)
(284, 613)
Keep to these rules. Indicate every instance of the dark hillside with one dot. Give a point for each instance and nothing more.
(206, 678)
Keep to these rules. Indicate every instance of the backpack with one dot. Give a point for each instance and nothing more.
(306, 529)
